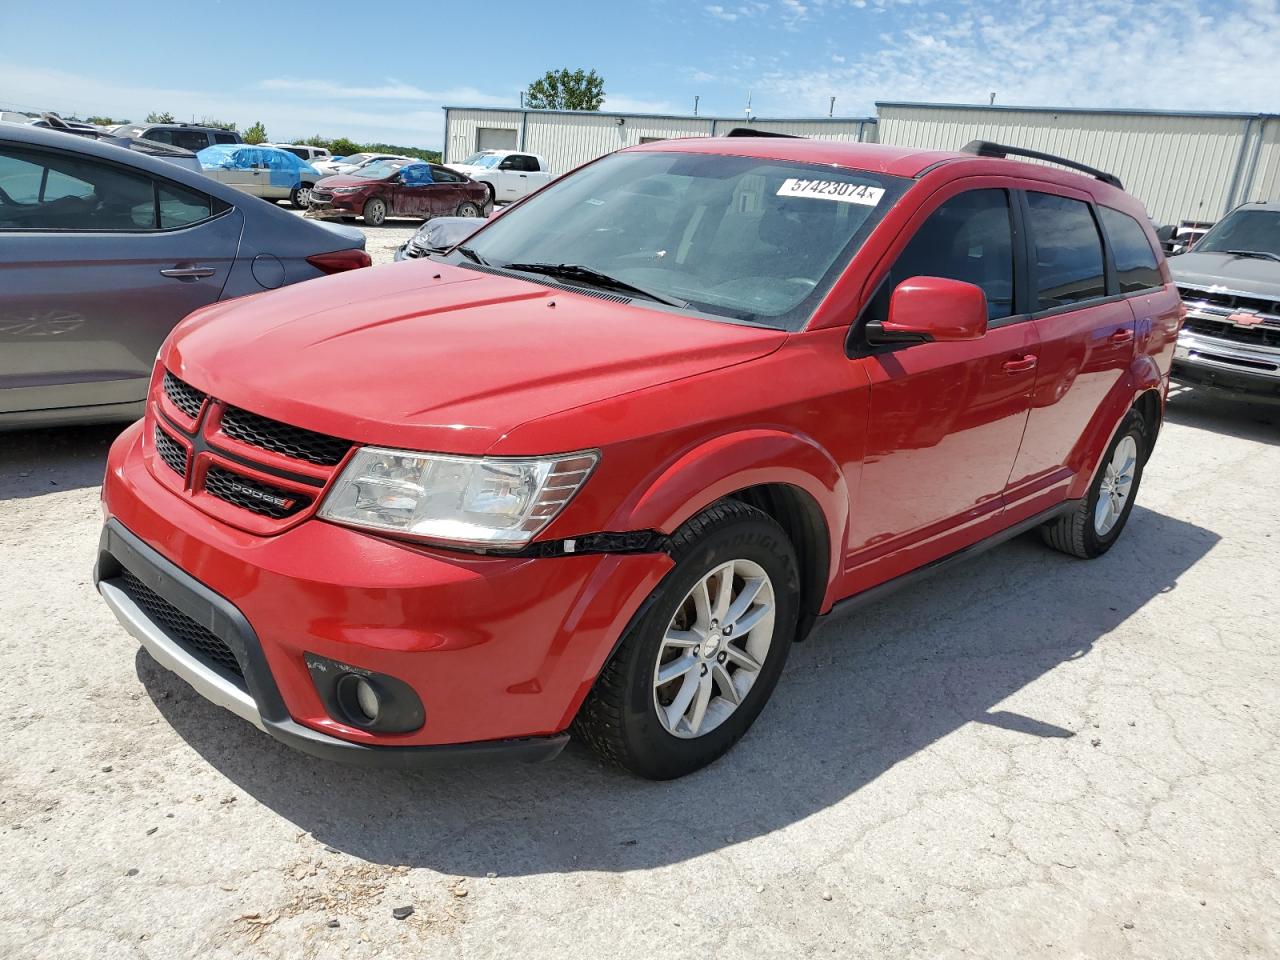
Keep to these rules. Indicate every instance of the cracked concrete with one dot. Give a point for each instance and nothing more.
(1028, 756)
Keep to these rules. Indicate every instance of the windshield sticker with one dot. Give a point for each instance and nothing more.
(840, 190)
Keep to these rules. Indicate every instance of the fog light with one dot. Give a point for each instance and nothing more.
(364, 698)
(367, 698)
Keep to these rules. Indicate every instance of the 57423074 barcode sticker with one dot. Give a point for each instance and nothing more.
(839, 190)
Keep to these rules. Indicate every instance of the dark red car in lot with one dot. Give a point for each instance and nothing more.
(392, 188)
(598, 468)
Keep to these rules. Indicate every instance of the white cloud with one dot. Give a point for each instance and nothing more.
(621, 103)
(1196, 54)
(393, 112)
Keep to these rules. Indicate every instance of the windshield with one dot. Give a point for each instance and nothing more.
(358, 158)
(482, 160)
(743, 238)
(1253, 231)
(377, 171)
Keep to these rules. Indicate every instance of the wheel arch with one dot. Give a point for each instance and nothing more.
(1139, 389)
(786, 475)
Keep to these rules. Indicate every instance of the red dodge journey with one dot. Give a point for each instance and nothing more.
(596, 469)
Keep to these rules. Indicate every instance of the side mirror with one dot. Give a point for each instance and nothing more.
(932, 308)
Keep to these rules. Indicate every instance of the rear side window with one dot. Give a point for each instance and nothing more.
(193, 140)
(62, 191)
(225, 138)
(159, 136)
(1136, 266)
(1068, 251)
(968, 238)
(180, 206)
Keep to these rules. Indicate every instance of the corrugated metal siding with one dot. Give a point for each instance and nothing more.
(1180, 167)
(846, 131)
(1265, 182)
(461, 126)
(568, 140)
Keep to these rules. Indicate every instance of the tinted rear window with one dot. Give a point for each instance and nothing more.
(1136, 266)
(1068, 262)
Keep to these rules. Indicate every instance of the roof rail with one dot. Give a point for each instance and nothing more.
(748, 132)
(984, 148)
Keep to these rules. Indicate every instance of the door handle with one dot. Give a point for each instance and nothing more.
(188, 271)
(1021, 365)
(1121, 337)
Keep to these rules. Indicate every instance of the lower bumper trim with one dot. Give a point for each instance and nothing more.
(261, 703)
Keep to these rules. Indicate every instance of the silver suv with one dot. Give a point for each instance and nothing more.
(188, 136)
(1230, 283)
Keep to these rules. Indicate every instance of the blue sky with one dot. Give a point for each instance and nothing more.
(370, 73)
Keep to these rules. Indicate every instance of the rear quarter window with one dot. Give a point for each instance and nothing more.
(1068, 265)
(1136, 264)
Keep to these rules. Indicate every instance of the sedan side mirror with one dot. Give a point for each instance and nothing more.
(932, 308)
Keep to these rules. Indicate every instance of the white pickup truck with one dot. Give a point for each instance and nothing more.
(510, 174)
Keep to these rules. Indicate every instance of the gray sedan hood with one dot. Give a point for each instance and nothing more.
(1250, 275)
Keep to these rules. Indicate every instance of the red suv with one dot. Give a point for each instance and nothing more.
(599, 467)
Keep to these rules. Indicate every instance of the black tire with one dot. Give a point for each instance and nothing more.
(375, 212)
(295, 200)
(468, 209)
(1076, 533)
(619, 718)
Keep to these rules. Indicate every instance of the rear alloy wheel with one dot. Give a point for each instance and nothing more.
(698, 663)
(375, 212)
(468, 209)
(300, 197)
(1096, 523)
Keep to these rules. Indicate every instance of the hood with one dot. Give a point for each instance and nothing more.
(1249, 275)
(434, 357)
(342, 180)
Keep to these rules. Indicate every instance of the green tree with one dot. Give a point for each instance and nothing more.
(215, 122)
(105, 121)
(154, 117)
(566, 90)
(256, 134)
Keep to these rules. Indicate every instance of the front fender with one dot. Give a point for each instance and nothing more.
(733, 462)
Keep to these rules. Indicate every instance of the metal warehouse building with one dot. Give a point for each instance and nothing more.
(1183, 166)
(567, 138)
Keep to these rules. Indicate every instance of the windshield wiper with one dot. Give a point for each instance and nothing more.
(590, 277)
(1259, 254)
(471, 255)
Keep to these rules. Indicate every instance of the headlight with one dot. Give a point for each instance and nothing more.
(488, 502)
(347, 189)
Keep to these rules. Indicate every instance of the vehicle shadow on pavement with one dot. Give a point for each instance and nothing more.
(862, 694)
(1243, 419)
(36, 462)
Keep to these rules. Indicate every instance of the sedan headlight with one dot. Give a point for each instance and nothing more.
(346, 189)
(496, 503)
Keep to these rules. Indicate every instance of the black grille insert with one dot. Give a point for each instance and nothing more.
(197, 640)
(281, 438)
(171, 452)
(184, 396)
(1260, 335)
(253, 495)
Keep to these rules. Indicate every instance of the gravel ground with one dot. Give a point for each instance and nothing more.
(1029, 756)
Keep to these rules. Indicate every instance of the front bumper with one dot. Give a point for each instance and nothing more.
(257, 699)
(336, 207)
(501, 651)
(1227, 365)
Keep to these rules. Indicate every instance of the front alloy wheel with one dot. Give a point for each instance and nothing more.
(375, 212)
(714, 648)
(697, 664)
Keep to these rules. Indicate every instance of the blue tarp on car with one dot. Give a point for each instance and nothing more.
(286, 170)
(416, 173)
